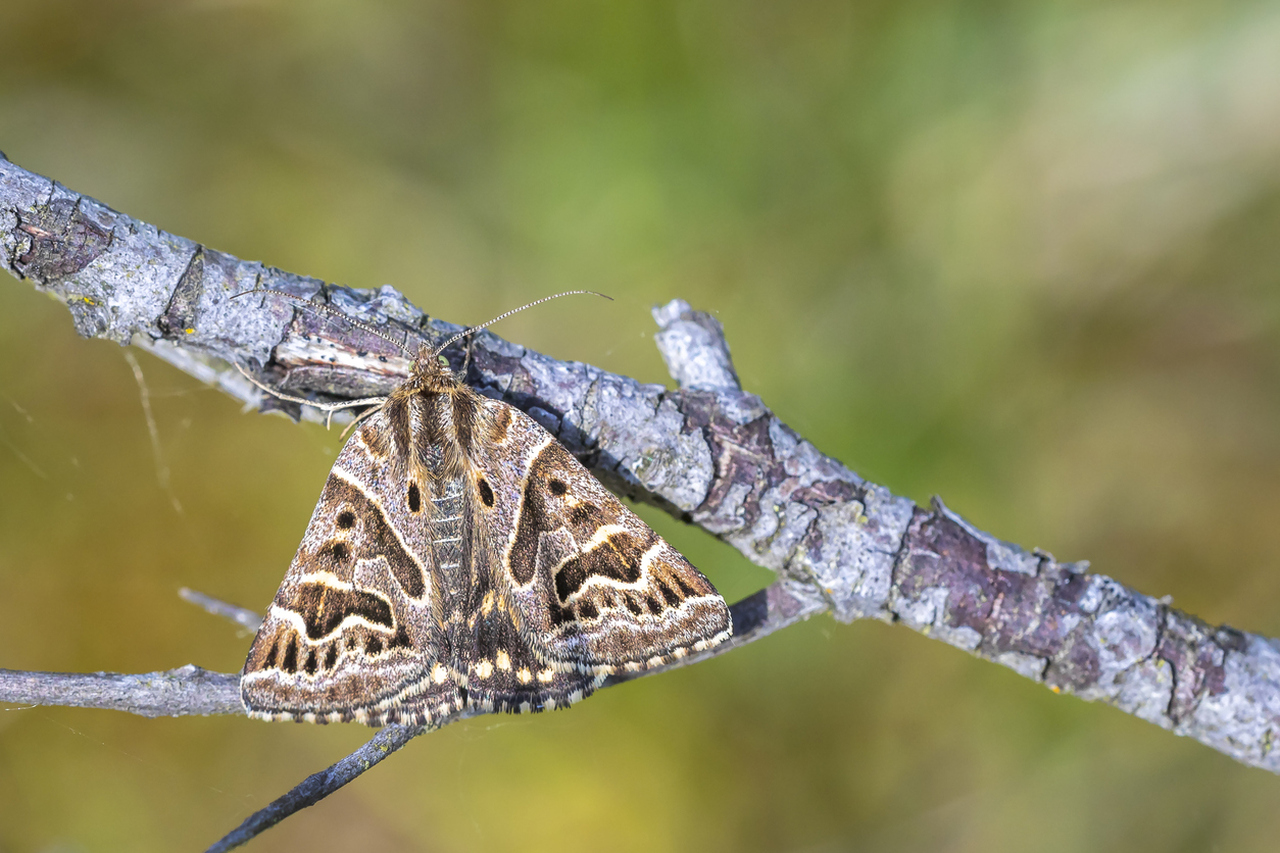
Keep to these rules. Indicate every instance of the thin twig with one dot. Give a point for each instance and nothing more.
(317, 786)
(242, 616)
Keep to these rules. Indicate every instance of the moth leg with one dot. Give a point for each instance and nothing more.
(355, 422)
(467, 351)
(327, 408)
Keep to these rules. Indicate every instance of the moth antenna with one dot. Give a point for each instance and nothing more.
(472, 329)
(334, 312)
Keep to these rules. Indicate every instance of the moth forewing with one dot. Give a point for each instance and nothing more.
(348, 635)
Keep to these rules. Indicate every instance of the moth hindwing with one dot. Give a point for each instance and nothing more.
(460, 557)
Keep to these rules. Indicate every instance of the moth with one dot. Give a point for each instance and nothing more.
(460, 557)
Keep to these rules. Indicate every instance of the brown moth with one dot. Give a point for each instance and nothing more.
(460, 557)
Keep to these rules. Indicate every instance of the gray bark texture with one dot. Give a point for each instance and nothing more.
(710, 453)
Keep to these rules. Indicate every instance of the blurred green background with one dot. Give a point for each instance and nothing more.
(1021, 255)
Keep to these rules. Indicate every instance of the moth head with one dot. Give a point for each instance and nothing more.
(431, 372)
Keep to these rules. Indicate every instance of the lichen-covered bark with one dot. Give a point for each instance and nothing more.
(708, 452)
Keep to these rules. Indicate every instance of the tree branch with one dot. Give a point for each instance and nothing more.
(709, 453)
(241, 616)
(185, 691)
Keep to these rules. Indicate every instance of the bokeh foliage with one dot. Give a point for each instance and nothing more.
(1022, 255)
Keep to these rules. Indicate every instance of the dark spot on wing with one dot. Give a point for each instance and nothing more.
(685, 589)
(617, 558)
(323, 608)
(401, 639)
(587, 610)
(415, 498)
(378, 540)
(346, 520)
(290, 662)
(557, 487)
(563, 590)
(486, 493)
(310, 665)
(340, 552)
(585, 517)
(331, 656)
(271, 655)
(561, 615)
(373, 646)
(672, 597)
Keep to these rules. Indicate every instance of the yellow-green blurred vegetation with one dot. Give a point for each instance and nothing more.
(1021, 255)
